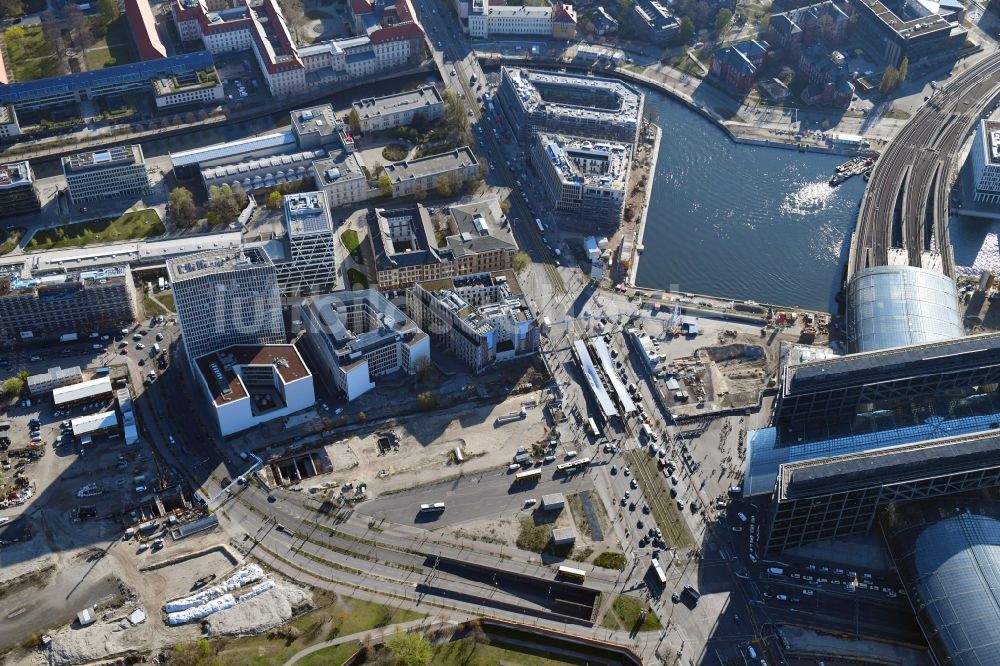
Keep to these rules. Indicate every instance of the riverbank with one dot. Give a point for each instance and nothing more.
(633, 268)
(772, 136)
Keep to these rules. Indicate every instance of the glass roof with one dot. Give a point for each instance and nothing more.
(893, 306)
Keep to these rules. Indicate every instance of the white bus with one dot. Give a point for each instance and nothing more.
(541, 227)
(429, 508)
(569, 572)
(572, 465)
(594, 430)
(658, 572)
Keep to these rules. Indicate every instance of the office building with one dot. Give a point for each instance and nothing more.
(418, 175)
(251, 384)
(475, 238)
(483, 319)
(187, 90)
(110, 173)
(586, 179)
(225, 298)
(319, 127)
(653, 22)
(893, 30)
(342, 179)
(304, 259)
(381, 113)
(44, 305)
(572, 104)
(9, 124)
(17, 190)
(69, 90)
(985, 157)
(359, 336)
(487, 19)
(54, 378)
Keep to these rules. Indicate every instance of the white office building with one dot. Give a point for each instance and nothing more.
(985, 157)
(106, 174)
(252, 384)
(358, 336)
(382, 113)
(225, 298)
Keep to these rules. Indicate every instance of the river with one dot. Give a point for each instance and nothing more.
(740, 221)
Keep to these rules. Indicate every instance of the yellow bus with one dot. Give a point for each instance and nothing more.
(575, 574)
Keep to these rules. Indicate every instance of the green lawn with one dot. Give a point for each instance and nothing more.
(624, 614)
(357, 279)
(131, 225)
(395, 152)
(115, 48)
(353, 244)
(337, 654)
(341, 617)
(29, 56)
(10, 239)
(610, 559)
(467, 652)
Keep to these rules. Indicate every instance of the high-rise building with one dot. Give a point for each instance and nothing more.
(985, 156)
(225, 298)
(304, 258)
(106, 174)
(17, 190)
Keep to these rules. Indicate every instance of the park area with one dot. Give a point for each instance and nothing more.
(130, 226)
(114, 48)
(28, 55)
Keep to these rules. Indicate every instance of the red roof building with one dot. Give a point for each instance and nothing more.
(142, 25)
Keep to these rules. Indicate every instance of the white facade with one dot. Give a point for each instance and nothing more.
(224, 298)
(487, 20)
(9, 125)
(311, 267)
(986, 162)
(358, 336)
(167, 97)
(239, 380)
(382, 113)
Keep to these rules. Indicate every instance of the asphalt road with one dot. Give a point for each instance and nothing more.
(473, 498)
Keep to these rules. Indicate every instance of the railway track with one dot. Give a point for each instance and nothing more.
(905, 206)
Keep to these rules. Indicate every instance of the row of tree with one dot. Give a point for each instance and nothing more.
(224, 205)
(893, 76)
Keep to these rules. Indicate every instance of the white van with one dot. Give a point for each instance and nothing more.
(570, 454)
(647, 431)
(156, 349)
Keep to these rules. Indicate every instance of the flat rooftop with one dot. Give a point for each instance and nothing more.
(220, 369)
(319, 119)
(88, 423)
(15, 174)
(102, 159)
(232, 148)
(907, 29)
(384, 321)
(81, 391)
(29, 282)
(431, 165)
(622, 103)
(991, 141)
(479, 298)
(307, 214)
(337, 166)
(206, 263)
(598, 164)
(411, 100)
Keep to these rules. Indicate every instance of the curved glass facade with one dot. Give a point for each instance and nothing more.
(893, 306)
(948, 557)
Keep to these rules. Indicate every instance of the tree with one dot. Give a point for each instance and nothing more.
(722, 19)
(53, 35)
(362, 417)
(521, 261)
(687, 30)
(294, 15)
(108, 10)
(354, 120)
(385, 185)
(422, 369)
(443, 186)
(274, 200)
(76, 23)
(419, 191)
(889, 79)
(410, 649)
(623, 7)
(904, 69)
(181, 208)
(12, 386)
(11, 8)
(505, 206)
(222, 201)
(456, 117)
(426, 401)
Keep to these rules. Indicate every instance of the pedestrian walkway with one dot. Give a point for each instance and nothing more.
(340, 640)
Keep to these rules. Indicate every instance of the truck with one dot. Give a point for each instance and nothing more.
(512, 416)
(68, 337)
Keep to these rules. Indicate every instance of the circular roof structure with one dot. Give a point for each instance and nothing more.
(894, 306)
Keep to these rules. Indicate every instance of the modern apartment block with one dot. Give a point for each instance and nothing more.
(474, 238)
(653, 22)
(382, 113)
(586, 179)
(573, 104)
(106, 174)
(304, 259)
(225, 298)
(358, 336)
(483, 318)
(410, 176)
(985, 158)
(17, 190)
(43, 306)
